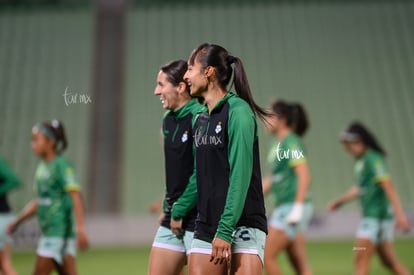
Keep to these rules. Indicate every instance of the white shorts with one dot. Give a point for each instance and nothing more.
(56, 248)
(246, 240)
(166, 239)
(376, 230)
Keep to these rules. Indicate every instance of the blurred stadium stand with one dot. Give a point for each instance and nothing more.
(344, 60)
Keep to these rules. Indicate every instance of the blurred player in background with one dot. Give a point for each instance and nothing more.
(58, 202)
(169, 251)
(379, 200)
(289, 184)
(8, 181)
(231, 214)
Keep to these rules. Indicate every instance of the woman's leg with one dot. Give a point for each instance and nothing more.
(44, 266)
(389, 259)
(276, 242)
(6, 263)
(1, 262)
(166, 262)
(69, 265)
(246, 264)
(296, 251)
(248, 251)
(168, 253)
(200, 264)
(364, 249)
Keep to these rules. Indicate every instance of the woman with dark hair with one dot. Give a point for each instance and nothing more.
(58, 201)
(231, 215)
(289, 184)
(168, 253)
(379, 201)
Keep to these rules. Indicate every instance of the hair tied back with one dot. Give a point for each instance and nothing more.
(230, 59)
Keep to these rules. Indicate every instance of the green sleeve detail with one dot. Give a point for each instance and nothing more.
(8, 178)
(242, 133)
(380, 169)
(296, 152)
(69, 180)
(164, 204)
(295, 162)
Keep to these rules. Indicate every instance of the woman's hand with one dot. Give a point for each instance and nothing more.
(176, 227)
(11, 228)
(295, 214)
(403, 223)
(155, 207)
(334, 205)
(221, 251)
(83, 242)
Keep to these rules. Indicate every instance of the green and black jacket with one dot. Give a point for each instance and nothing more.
(179, 159)
(228, 190)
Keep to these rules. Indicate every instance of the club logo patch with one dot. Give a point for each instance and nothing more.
(184, 138)
(218, 127)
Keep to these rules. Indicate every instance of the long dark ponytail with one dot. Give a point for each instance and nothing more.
(295, 115)
(54, 130)
(219, 58)
(358, 130)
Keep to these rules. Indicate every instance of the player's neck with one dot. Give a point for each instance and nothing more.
(213, 96)
(49, 156)
(282, 133)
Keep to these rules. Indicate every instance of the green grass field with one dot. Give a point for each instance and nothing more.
(326, 258)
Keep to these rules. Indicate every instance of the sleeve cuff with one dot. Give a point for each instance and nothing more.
(72, 187)
(296, 162)
(226, 237)
(174, 215)
(382, 178)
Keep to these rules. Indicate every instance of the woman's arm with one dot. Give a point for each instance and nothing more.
(392, 195)
(28, 211)
(303, 176)
(156, 206)
(350, 195)
(79, 219)
(267, 184)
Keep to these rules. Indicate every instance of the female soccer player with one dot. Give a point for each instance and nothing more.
(231, 214)
(289, 183)
(58, 201)
(378, 198)
(168, 253)
(8, 181)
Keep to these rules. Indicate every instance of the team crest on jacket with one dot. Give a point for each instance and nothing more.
(218, 127)
(184, 138)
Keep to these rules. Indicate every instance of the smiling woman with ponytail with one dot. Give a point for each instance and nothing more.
(231, 223)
